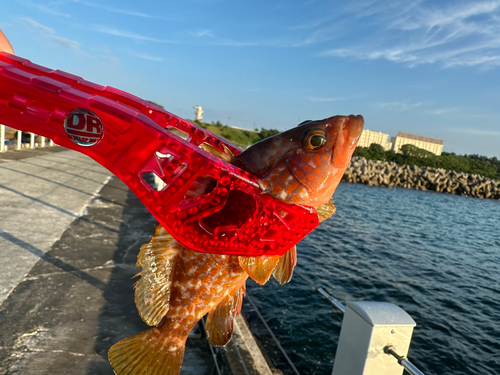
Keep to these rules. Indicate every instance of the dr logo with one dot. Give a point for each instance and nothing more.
(83, 127)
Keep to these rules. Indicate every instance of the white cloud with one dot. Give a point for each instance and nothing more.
(149, 57)
(311, 24)
(236, 43)
(441, 111)
(45, 9)
(398, 106)
(459, 34)
(128, 34)
(65, 42)
(323, 100)
(111, 60)
(44, 29)
(50, 34)
(201, 33)
(118, 10)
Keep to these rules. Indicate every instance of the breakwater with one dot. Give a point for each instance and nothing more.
(384, 174)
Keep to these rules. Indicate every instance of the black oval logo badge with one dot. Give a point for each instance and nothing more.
(83, 127)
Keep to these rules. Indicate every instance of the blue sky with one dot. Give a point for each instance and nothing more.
(430, 68)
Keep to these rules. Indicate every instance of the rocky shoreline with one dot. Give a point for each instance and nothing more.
(384, 174)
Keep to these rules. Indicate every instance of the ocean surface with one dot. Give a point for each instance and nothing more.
(435, 255)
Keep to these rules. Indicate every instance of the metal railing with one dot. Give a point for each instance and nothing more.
(388, 349)
(355, 355)
(403, 361)
(278, 344)
(18, 145)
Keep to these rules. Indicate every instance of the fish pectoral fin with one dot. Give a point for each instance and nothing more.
(219, 327)
(259, 269)
(284, 270)
(227, 155)
(150, 352)
(325, 211)
(152, 291)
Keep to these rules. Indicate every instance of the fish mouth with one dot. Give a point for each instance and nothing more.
(353, 127)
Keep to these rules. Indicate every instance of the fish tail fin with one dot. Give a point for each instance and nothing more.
(152, 352)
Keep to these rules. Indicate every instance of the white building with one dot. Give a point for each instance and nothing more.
(430, 144)
(368, 137)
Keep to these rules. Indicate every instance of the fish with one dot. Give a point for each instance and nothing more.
(178, 286)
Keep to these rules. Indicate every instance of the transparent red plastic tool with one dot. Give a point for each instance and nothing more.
(132, 138)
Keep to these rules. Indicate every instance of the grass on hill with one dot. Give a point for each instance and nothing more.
(239, 137)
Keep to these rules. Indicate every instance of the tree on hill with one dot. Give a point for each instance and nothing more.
(240, 137)
(411, 150)
(266, 133)
(374, 152)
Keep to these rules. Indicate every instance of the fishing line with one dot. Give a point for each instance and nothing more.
(273, 336)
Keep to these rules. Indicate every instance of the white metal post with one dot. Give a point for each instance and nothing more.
(2, 138)
(42, 141)
(368, 328)
(51, 142)
(32, 140)
(19, 139)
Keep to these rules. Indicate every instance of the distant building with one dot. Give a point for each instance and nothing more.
(368, 137)
(198, 112)
(430, 144)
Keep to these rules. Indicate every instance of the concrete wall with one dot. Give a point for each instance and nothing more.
(378, 173)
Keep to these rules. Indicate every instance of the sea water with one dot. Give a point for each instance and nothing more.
(435, 255)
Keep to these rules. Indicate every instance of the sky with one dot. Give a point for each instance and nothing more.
(430, 68)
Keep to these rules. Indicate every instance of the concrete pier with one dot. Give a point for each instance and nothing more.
(69, 238)
(41, 193)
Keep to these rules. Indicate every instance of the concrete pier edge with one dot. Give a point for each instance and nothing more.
(77, 300)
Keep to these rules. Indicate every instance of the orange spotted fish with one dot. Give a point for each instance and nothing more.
(178, 286)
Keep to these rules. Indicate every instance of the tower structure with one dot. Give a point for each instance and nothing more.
(198, 112)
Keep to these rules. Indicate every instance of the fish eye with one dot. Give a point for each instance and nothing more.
(313, 140)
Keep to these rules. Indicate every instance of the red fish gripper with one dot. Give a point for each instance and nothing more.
(132, 138)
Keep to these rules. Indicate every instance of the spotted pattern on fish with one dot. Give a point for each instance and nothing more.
(303, 166)
(292, 169)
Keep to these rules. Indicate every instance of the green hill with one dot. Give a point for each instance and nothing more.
(240, 137)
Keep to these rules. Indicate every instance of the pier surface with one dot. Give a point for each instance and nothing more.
(69, 238)
(70, 233)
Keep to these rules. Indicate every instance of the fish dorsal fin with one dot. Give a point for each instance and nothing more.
(284, 270)
(220, 320)
(259, 269)
(227, 155)
(325, 211)
(152, 292)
